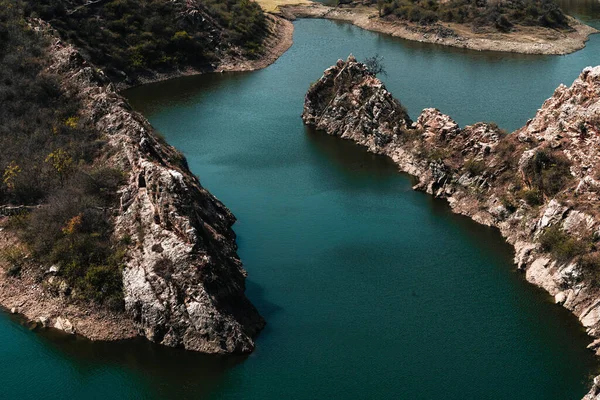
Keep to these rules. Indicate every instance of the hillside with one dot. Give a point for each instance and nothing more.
(137, 39)
(105, 232)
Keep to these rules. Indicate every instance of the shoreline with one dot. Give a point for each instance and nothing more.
(444, 180)
(526, 40)
(27, 298)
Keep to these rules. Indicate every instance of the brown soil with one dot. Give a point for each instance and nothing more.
(26, 296)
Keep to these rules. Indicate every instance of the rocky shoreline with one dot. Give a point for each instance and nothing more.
(526, 40)
(183, 281)
(477, 168)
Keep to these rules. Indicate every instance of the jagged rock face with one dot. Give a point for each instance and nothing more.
(570, 121)
(594, 393)
(478, 168)
(349, 101)
(183, 282)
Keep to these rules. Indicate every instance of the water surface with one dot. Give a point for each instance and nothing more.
(370, 290)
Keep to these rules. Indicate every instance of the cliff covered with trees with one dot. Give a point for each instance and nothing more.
(104, 230)
(478, 14)
(136, 39)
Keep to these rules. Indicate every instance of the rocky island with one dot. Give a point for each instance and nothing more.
(105, 231)
(511, 26)
(540, 185)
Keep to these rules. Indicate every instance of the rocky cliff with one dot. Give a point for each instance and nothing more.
(182, 279)
(539, 185)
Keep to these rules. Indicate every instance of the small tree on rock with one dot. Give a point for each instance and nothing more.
(375, 65)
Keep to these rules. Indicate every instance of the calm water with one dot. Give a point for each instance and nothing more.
(370, 290)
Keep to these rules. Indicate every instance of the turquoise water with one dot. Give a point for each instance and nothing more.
(370, 290)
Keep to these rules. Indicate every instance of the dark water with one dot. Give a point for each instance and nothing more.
(371, 290)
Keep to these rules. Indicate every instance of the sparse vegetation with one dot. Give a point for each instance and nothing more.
(375, 65)
(533, 197)
(590, 266)
(561, 245)
(134, 36)
(474, 167)
(14, 256)
(480, 14)
(48, 157)
(548, 172)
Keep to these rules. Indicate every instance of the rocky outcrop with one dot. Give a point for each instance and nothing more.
(183, 281)
(539, 181)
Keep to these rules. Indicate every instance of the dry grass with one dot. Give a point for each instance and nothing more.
(272, 6)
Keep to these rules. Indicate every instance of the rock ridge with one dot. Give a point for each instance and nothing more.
(497, 179)
(183, 280)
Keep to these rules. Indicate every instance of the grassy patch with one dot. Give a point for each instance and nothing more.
(561, 245)
(48, 159)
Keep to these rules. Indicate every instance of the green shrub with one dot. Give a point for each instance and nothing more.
(533, 197)
(102, 282)
(590, 267)
(474, 167)
(548, 171)
(133, 36)
(501, 16)
(14, 256)
(49, 152)
(561, 245)
(508, 203)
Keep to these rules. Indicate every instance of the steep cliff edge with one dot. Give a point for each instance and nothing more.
(539, 185)
(182, 281)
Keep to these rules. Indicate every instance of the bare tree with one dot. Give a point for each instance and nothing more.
(375, 65)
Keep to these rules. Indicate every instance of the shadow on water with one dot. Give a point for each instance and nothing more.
(169, 372)
(349, 158)
(421, 49)
(358, 163)
(174, 373)
(586, 10)
(188, 90)
(265, 307)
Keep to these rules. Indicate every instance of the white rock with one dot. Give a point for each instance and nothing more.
(560, 298)
(64, 325)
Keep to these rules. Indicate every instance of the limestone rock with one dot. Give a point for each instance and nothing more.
(64, 325)
(44, 321)
(594, 393)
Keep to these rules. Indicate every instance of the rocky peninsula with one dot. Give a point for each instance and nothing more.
(171, 273)
(539, 185)
(520, 39)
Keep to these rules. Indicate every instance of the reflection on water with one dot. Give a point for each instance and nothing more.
(168, 373)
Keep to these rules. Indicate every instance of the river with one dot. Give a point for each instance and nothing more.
(370, 290)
